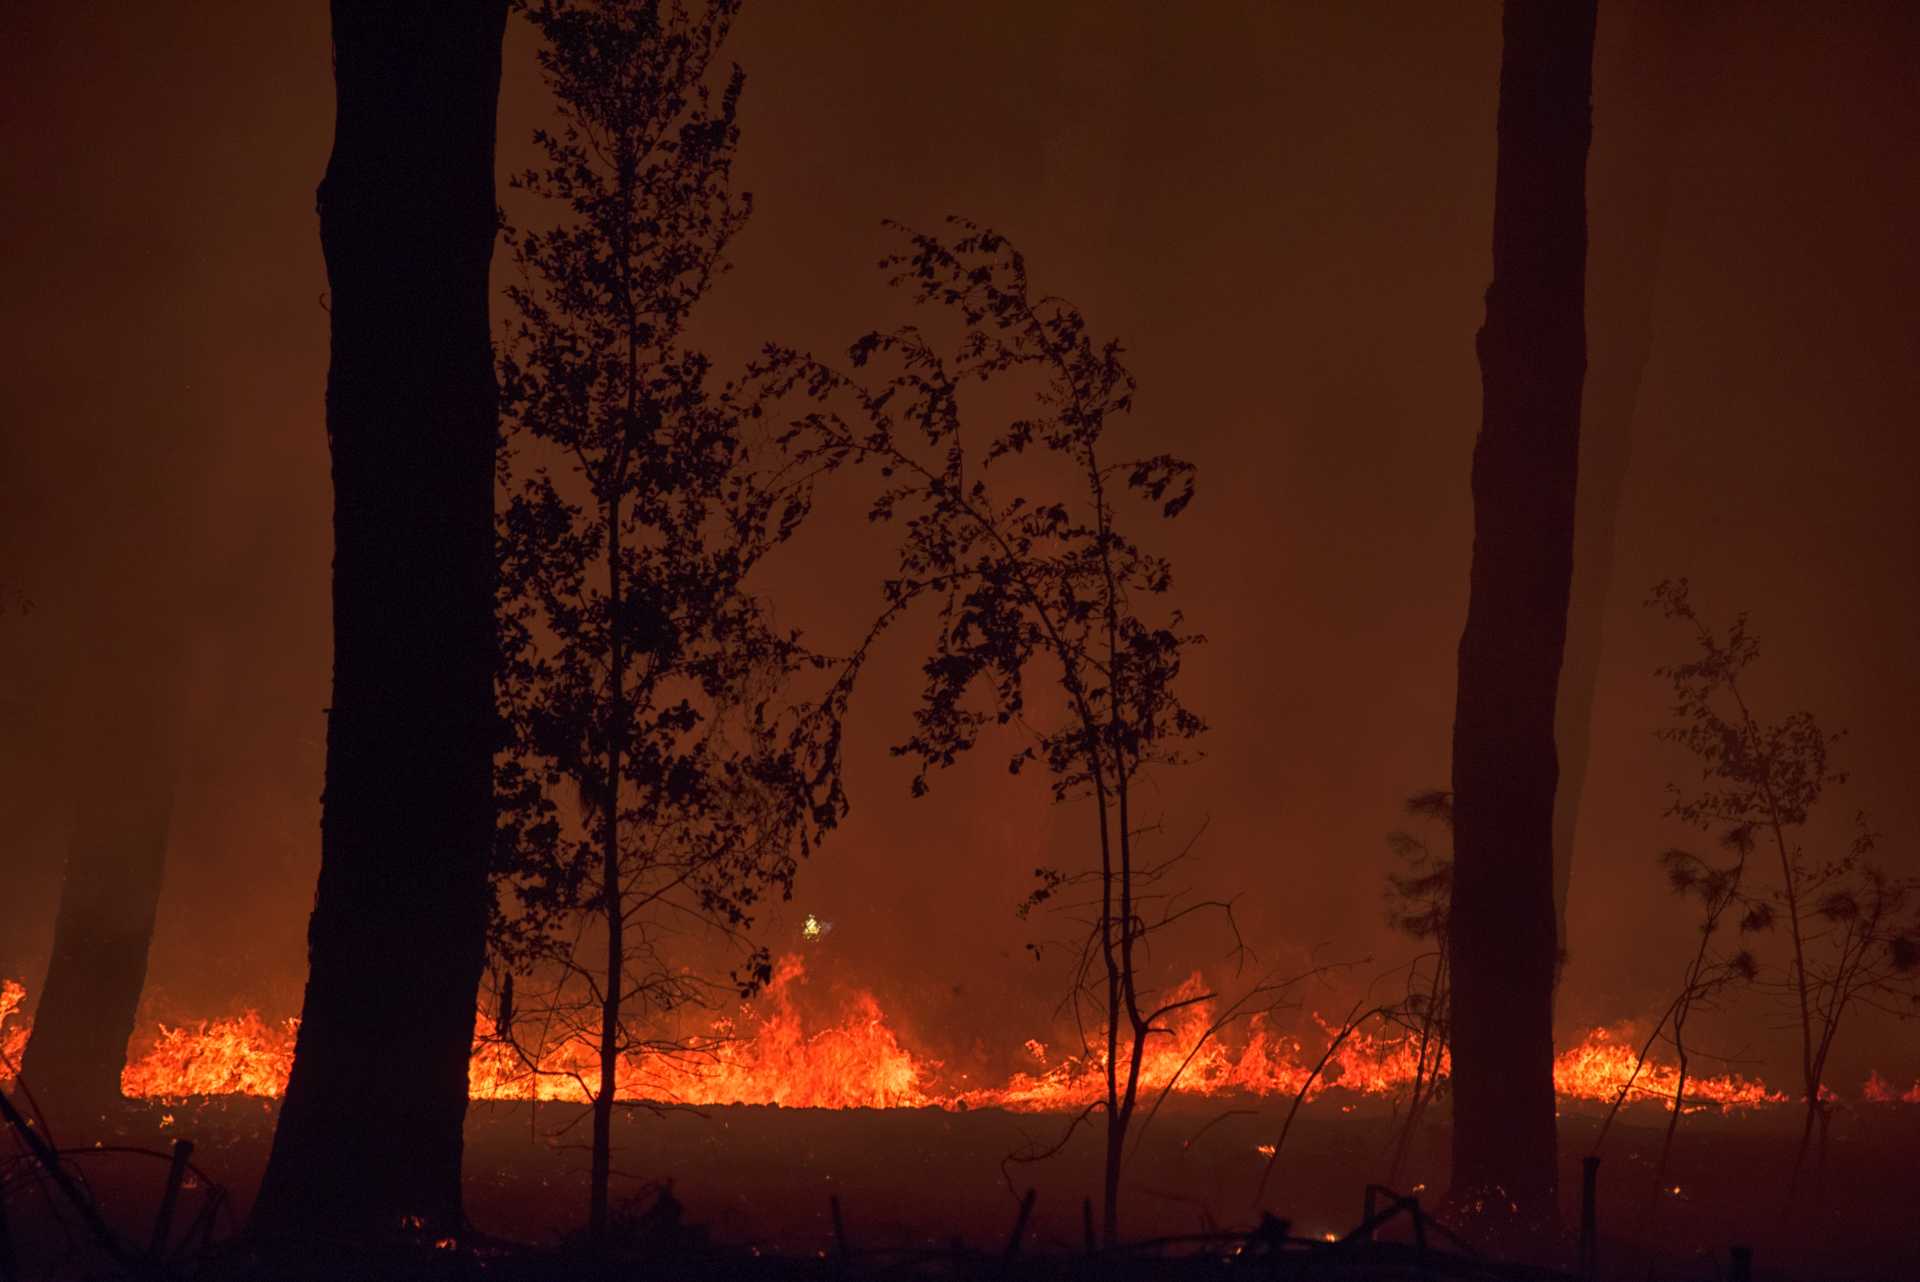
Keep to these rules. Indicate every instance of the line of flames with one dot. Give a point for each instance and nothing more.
(768, 1055)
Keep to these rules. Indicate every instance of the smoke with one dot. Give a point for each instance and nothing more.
(1284, 212)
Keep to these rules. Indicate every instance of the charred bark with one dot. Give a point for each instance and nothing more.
(109, 896)
(369, 1136)
(1532, 351)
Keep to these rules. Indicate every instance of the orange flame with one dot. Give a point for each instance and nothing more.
(1879, 1091)
(13, 1040)
(243, 1055)
(1602, 1065)
(767, 1054)
(765, 1057)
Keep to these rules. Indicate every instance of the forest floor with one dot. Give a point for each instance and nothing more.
(930, 1186)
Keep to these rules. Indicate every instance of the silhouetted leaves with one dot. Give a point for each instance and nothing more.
(1420, 895)
(1432, 803)
(656, 783)
(1018, 537)
(1848, 933)
(1050, 880)
(1013, 577)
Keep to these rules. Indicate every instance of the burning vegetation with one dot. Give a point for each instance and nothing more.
(770, 1053)
(579, 740)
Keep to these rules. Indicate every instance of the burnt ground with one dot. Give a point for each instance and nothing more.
(759, 1181)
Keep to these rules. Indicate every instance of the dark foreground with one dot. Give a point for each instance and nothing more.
(753, 1192)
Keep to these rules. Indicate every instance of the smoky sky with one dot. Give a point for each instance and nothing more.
(1283, 211)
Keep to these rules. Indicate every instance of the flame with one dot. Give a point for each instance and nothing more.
(1602, 1065)
(13, 1031)
(1879, 1091)
(767, 1053)
(765, 1056)
(1183, 1058)
(243, 1055)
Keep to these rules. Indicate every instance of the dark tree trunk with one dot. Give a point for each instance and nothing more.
(369, 1135)
(109, 894)
(1533, 360)
(1655, 72)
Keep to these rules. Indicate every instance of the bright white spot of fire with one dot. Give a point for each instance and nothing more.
(1330, 1237)
(813, 928)
(1264, 1150)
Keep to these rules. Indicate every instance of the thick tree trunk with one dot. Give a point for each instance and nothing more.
(1533, 359)
(369, 1135)
(109, 894)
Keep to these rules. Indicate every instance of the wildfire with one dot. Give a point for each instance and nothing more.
(243, 1055)
(13, 1031)
(768, 1054)
(1879, 1091)
(1602, 1065)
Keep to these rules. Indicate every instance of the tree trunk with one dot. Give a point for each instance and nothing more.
(600, 1174)
(1532, 351)
(369, 1135)
(612, 910)
(109, 894)
(1634, 163)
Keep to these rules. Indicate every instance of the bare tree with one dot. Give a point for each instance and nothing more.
(1717, 890)
(1050, 588)
(1851, 926)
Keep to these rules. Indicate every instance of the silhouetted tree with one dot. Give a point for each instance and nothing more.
(1854, 929)
(1532, 351)
(1052, 586)
(110, 884)
(1716, 889)
(652, 790)
(1419, 900)
(369, 1135)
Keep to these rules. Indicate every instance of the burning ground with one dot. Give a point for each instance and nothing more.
(791, 1100)
(771, 1053)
